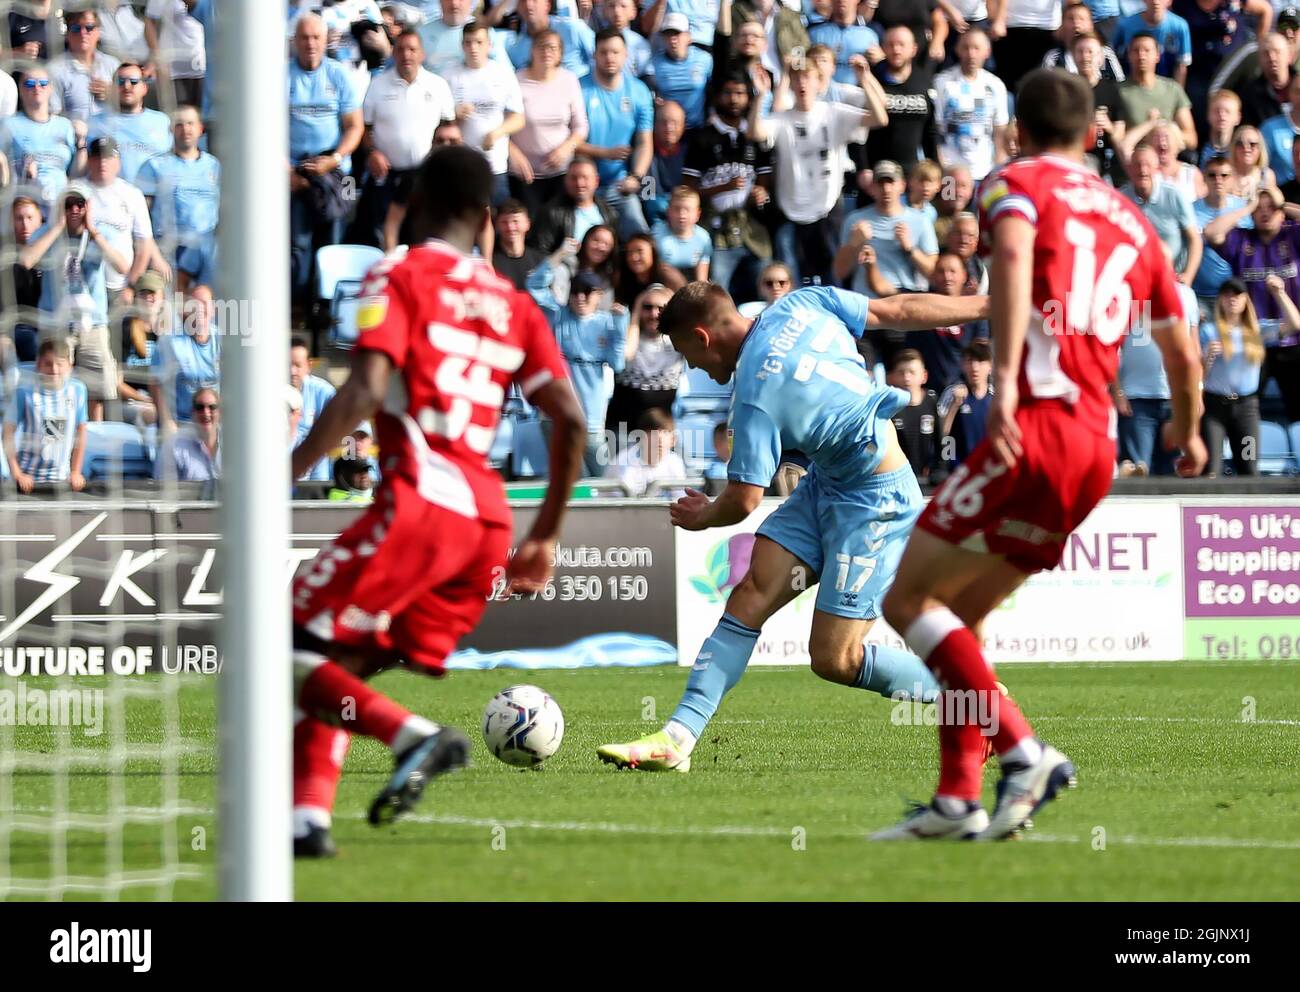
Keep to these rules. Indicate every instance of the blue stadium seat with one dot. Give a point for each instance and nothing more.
(529, 458)
(503, 443)
(1275, 454)
(343, 319)
(340, 270)
(116, 451)
(342, 264)
(700, 394)
(1293, 432)
(695, 438)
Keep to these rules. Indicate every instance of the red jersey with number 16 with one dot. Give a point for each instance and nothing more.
(460, 335)
(1099, 267)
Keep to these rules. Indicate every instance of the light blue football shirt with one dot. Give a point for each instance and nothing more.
(801, 385)
(139, 137)
(52, 144)
(316, 99)
(186, 194)
(316, 393)
(614, 117)
(46, 423)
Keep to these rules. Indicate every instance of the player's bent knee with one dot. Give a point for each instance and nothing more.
(836, 664)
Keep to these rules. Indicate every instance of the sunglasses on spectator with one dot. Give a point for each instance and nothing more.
(31, 84)
(82, 28)
(1246, 144)
(774, 283)
(75, 203)
(129, 80)
(207, 406)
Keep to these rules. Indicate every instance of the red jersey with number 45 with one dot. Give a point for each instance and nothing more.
(459, 335)
(1098, 268)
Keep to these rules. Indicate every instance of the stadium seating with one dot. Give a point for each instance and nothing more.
(695, 436)
(503, 443)
(529, 459)
(340, 270)
(1276, 456)
(700, 394)
(117, 451)
(343, 318)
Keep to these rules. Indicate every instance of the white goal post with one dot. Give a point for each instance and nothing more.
(255, 706)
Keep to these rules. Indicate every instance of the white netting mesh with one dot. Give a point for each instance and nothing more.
(106, 781)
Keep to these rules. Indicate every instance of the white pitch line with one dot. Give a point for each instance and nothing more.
(1222, 721)
(738, 830)
(599, 827)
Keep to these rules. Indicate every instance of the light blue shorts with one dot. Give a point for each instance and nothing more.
(853, 541)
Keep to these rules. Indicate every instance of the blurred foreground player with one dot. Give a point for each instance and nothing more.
(412, 575)
(1070, 259)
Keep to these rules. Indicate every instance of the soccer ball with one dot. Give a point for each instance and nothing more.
(523, 725)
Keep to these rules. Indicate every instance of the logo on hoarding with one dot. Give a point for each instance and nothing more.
(54, 573)
(46, 572)
(727, 563)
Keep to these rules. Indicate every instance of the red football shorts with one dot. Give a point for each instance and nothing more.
(1026, 512)
(407, 578)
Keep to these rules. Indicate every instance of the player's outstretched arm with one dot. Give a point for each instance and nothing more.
(357, 400)
(533, 560)
(926, 311)
(1183, 367)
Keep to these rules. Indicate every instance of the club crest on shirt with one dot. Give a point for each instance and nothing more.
(372, 312)
(993, 194)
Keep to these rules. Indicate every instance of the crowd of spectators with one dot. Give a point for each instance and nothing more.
(758, 144)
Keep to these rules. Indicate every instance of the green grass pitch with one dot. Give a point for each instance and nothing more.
(1179, 797)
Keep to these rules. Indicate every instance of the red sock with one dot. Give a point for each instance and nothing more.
(318, 753)
(961, 755)
(339, 698)
(964, 667)
(970, 697)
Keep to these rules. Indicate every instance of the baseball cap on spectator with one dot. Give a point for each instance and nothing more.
(885, 169)
(75, 191)
(1233, 286)
(1288, 16)
(24, 30)
(674, 22)
(587, 282)
(102, 146)
(150, 282)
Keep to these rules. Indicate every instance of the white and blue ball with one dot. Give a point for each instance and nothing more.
(523, 725)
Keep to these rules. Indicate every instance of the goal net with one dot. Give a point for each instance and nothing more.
(110, 594)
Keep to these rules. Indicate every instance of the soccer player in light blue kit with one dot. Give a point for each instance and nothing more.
(801, 384)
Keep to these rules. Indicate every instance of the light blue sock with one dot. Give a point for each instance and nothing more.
(719, 665)
(889, 670)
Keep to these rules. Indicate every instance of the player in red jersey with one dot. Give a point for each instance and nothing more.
(412, 575)
(1070, 258)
